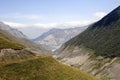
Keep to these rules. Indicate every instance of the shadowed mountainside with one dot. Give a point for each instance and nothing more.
(103, 37)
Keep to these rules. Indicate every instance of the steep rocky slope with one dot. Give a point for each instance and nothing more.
(54, 38)
(96, 50)
(83, 58)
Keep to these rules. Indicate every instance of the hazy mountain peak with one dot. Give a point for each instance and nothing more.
(55, 37)
(11, 30)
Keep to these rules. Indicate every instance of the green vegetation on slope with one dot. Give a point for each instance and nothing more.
(41, 68)
(103, 36)
(4, 43)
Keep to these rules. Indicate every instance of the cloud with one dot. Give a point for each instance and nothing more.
(51, 25)
(47, 25)
(78, 23)
(99, 15)
(65, 25)
(15, 25)
(96, 17)
(35, 18)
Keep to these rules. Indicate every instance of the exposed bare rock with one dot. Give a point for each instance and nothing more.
(10, 54)
(104, 68)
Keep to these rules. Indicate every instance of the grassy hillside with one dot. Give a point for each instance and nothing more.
(4, 43)
(41, 68)
(103, 36)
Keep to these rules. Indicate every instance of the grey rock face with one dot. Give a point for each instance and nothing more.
(54, 38)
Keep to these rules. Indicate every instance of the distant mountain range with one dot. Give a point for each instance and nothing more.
(55, 37)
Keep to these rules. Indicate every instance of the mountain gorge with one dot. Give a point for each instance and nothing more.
(55, 37)
(59, 39)
(96, 50)
(21, 59)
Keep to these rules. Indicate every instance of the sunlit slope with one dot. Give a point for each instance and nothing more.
(41, 68)
(4, 43)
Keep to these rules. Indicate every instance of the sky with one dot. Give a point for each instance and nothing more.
(54, 13)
